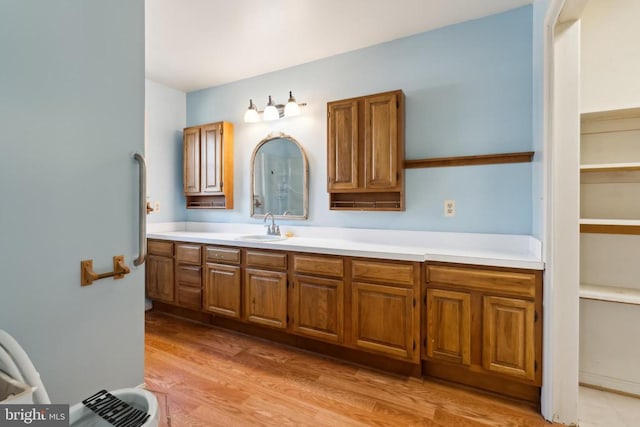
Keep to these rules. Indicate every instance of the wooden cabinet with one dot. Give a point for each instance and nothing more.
(365, 152)
(508, 339)
(208, 166)
(317, 302)
(483, 327)
(265, 289)
(384, 314)
(448, 323)
(188, 283)
(159, 271)
(223, 281)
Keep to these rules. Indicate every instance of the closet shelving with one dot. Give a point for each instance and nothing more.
(610, 206)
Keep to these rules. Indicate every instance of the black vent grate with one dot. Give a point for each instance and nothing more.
(115, 411)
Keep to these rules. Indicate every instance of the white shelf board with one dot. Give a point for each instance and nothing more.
(600, 221)
(610, 293)
(609, 167)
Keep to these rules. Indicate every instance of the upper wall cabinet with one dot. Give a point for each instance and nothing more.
(208, 166)
(365, 152)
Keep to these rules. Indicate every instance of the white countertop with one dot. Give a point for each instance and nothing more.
(500, 250)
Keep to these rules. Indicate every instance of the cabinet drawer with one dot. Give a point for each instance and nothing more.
(389, 273)
(227, 255)
(156, 247)
(189, 275)
(189, 297)
(273, 260)
(325, 266)
(507, 282)
(189, 254)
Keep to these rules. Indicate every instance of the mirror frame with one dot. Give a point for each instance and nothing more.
(305, 197)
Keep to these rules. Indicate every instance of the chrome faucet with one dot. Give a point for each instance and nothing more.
(273, 229)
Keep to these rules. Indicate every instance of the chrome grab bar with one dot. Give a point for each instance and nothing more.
(142, 211)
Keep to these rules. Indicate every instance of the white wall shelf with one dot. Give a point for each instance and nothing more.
(609, 247)
(611, 167)
(610, 293)
(610, 226)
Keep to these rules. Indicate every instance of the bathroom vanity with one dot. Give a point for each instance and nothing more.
(461, 311)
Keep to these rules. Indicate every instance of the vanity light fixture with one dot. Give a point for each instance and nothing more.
(273, 111)
(251, 116)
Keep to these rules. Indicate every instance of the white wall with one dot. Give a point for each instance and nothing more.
(166, 116)
(610, 55)
(71, 114)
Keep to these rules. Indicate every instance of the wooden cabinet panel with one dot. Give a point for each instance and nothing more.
(275, 260)
(324, 266)
(449, 326)
(188, 275)
(381, 141)
(318, 307)
(191, 160)
(342, 145)
(222, 289)
(226, 255)
(159, 278)
(384, 320)
(508, 282)
(386, 272)
(211, 159)
(266, 297)
(509, 337)
(189, 254)
(188, 296)
(157, 247)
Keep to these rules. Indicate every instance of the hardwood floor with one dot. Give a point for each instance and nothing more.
(206, 376)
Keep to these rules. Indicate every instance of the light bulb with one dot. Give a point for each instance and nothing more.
(251, 115)
(292, 108)
(271, 112)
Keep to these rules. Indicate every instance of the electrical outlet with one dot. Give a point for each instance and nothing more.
(449, 208)
(156, 207)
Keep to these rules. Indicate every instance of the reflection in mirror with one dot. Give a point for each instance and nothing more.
(279, 183)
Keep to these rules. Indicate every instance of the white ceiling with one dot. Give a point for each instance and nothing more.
(194, 44)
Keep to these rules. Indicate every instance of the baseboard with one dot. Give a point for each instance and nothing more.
(610, 383)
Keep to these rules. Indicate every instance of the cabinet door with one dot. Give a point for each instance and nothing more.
(381, 142)
(384, 319)
(508, 345)
(159, 275)
(266, 297)
(211, 152)
(318, 307)
(191, 160)
(188, 286)
(222, 289)
(342, 146)
(449, 326)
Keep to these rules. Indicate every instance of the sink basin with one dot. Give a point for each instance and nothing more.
(260, 238)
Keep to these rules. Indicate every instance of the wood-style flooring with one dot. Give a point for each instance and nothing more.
(206, 376)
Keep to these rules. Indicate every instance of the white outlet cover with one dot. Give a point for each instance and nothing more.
(449, 208)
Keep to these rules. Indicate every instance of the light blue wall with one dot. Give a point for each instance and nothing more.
(166, 115)
(71, 114)
(540, 8)
(468, 91)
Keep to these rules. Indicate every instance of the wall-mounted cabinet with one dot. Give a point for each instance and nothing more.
(208, 166)
(365, 152)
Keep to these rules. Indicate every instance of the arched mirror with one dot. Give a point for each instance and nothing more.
(279, 178)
